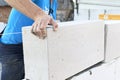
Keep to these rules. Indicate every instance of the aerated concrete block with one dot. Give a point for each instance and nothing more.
(99, 72)
(112, 50)
(94, 13)
(73, 48)
(83, 14)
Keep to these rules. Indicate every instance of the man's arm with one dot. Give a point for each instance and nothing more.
(27, 7)
(31, 10)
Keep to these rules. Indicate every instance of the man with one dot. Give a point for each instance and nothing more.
(24, 13)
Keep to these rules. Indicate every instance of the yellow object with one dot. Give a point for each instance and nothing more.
(109, 16)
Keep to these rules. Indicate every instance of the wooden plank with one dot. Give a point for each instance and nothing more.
(73, 48)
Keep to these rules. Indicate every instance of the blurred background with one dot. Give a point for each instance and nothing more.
(69, 10)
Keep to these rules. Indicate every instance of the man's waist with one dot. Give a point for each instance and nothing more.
(11, 39)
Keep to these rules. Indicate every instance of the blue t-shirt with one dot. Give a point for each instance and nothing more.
(17, 20)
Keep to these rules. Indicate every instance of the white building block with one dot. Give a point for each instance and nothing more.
(113, 11)
(83, 76)
(83, 14)
(104, 71)
(94, 13)
(117, 69)
(73, 48)
(35, 56)
(112, 40)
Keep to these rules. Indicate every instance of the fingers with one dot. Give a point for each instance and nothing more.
(43, 29)
(39, 26)
(39, 30)
(55, 25)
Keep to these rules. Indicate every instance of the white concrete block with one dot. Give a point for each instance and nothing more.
(118, 69)
(35, 56)
(113, 11)
(73, 48)
(106, 71)
(83, 14)
(112, 40)
(94, 13)
(83, 76)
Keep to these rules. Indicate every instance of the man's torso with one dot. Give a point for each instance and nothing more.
(17, 20)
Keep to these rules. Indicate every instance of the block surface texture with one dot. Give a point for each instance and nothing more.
(112, 40)
(74, 47)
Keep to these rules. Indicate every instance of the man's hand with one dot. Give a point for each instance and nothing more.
(40, 24)
(33, 11)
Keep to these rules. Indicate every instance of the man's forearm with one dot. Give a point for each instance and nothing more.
(27, 7)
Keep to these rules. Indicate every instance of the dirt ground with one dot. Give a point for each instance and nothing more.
(4, 13)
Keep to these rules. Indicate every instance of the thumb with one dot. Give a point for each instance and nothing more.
(55, 25)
